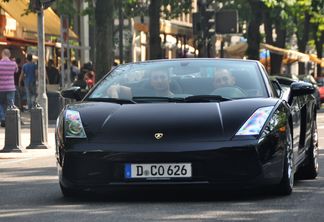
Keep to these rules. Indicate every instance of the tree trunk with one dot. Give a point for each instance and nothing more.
(104, 37)
(254, 37)
(319, 50)
(154, 28)
(318, 36)
(302, 41)
(276, 59)
(267, 25)
(267, 21)
(319, 46)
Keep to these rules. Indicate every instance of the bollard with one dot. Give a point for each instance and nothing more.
(12, 131)
(37, 131)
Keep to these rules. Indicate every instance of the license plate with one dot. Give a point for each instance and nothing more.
(158, 170)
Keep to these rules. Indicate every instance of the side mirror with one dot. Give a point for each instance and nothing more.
(301, 88)
(74, 92)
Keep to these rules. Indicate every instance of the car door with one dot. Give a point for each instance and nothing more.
(302, 124)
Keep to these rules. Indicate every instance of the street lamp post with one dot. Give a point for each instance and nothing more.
(41, 95)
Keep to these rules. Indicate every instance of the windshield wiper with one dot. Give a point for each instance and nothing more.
(112, 100)
(196, 98)
(206, 98)
(157, 99)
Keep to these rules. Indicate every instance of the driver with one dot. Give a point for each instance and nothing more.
(159, 82)
(225, 85)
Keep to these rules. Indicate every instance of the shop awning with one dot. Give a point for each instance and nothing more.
(238, 51)
(172, 27)
(22, 42)
(16, 9)
(291, 54)
(175, 27)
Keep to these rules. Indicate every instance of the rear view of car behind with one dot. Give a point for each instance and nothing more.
(320, 83)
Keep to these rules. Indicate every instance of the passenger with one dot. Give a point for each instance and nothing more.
(159, 82)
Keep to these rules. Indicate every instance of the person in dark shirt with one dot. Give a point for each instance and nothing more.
(29, 75)
(80, 82)
(52, 73)
(75, 71)
(19, 90)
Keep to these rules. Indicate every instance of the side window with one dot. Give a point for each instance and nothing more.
(274, 89)
(277, 88)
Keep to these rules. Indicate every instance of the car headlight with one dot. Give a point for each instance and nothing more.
(73, 125)
(255, 123)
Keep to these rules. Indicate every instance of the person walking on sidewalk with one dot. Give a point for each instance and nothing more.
(7, 83)
(29, 74)
(19, 91)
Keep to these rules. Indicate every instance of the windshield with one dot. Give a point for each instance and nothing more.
(153, 81)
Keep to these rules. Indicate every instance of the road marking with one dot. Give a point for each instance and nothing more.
(22, 159)
(16, 161)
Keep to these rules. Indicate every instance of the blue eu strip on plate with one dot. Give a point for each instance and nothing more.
(128, 170)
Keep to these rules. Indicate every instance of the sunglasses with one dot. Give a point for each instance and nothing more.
(222, 79)
(159, 77)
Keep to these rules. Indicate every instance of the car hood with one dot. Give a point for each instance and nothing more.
(178, 122)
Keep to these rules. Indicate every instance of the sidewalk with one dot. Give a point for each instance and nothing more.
(25, 120)
(25, 140)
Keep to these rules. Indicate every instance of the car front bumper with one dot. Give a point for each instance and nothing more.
(225, 165)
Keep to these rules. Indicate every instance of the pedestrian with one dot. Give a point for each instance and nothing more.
(80, 82)
(19, 90)
(29, 75)
(75, 71)
(7, 83)
(53, 74)
(115, 64)
(90, 78)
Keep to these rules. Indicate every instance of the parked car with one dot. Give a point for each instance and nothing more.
(320, 83)
(152, 124)
(310, 79)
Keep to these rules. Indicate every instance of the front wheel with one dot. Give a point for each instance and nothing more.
(68, 192)
(286, 184)
(310, 168)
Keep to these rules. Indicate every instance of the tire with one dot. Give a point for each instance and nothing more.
(310, 167)
(68, 192)
(286, 184)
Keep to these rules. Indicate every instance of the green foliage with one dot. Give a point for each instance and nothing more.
(65, 7)
(318, 14)
(133, 8)
(177, 7)
(280, 9)
(294, 10)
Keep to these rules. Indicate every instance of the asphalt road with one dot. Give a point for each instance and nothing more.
(29, 191)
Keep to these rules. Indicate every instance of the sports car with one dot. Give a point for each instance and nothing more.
(218, 123)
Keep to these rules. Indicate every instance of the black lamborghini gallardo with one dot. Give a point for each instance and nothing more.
(184, 122)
